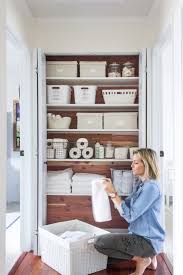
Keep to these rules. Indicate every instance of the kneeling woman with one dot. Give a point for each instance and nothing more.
(142, 210)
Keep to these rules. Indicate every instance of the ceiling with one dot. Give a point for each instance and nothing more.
(89, 8)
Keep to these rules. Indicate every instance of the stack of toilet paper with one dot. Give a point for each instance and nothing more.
(59, 182)
(81, 183)
(81, 150)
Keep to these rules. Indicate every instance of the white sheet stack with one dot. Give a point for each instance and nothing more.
(81, 183)
(59, 182)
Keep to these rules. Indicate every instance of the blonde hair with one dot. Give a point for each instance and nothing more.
(149, 158)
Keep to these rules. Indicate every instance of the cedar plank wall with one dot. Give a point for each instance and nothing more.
(62, 207)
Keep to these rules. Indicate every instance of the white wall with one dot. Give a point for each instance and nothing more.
(19, 21)
(165, 10)
(2, 137)
(13, 157)
(93, 35)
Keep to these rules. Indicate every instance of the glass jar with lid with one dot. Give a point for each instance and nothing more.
(128, 69)
(114, 70)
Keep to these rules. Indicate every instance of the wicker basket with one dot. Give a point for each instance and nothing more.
(122, 96)
(77, 258)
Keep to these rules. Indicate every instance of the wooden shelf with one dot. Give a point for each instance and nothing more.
(77, 107)
(101, 81)
(90, 160)
(106, 131)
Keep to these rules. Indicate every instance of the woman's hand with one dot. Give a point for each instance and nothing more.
(108, 186)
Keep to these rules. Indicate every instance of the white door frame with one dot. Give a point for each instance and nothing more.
(25, 142)
(178, 188)
(3, 136)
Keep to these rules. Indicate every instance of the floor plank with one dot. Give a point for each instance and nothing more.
(32, 265)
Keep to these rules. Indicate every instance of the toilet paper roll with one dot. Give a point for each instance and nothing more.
(82, 143)
(87, 153)
(75, 153)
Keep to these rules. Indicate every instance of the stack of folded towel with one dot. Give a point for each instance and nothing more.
(59, 182)
(81, 183)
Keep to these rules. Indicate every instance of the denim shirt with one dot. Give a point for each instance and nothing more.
(142, 210)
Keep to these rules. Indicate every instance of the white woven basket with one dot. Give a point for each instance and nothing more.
(122, 96)
(78, 258)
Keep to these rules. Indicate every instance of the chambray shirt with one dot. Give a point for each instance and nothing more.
(142, 210)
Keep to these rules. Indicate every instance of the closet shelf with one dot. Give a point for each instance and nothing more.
(90, 160)
(77, 107)
(107, 131)
(102, 81)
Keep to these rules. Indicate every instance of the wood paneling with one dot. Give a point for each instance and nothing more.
(32, 265)
(63, 208)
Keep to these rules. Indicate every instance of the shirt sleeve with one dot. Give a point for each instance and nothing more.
(135, 208)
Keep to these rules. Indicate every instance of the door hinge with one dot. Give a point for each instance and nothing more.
(21, 153)
(161, 153)
(36, 70)
(36, 232)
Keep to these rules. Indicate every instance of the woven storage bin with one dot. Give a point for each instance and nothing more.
(122, 96)
(60, 153)
(77, 258)
(50, 153)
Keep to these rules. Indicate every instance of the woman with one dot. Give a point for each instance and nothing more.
(142, 210)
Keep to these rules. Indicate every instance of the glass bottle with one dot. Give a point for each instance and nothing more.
(128, 69)
(114, 70)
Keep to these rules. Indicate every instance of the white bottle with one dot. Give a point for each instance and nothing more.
(97, 146)
(101, 152)
(109, 151)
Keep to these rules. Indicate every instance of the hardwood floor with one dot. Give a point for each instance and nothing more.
(32, 265)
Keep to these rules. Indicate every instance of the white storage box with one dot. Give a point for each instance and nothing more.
(121, 96)
(89, 120)
(92, 69)
(125, 120)
(85, 94)
(75, 258)
(58, 94)
(121, 152)
(61, 69)
(132, 149)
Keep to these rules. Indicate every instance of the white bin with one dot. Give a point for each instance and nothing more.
(92, 69)
(58, 94)
(76, 258)
(84, 94)
(125, 120)
(89, 120)
(61, 68)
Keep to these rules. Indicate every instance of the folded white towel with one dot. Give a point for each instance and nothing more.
(100, 202)
(73, 236)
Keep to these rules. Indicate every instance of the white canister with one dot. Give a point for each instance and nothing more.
(109, 151)
(101, 152)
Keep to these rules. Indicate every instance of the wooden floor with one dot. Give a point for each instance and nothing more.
(28, 264)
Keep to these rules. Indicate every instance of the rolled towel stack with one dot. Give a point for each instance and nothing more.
(59, 182)
(81, 183)
(81, 149)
